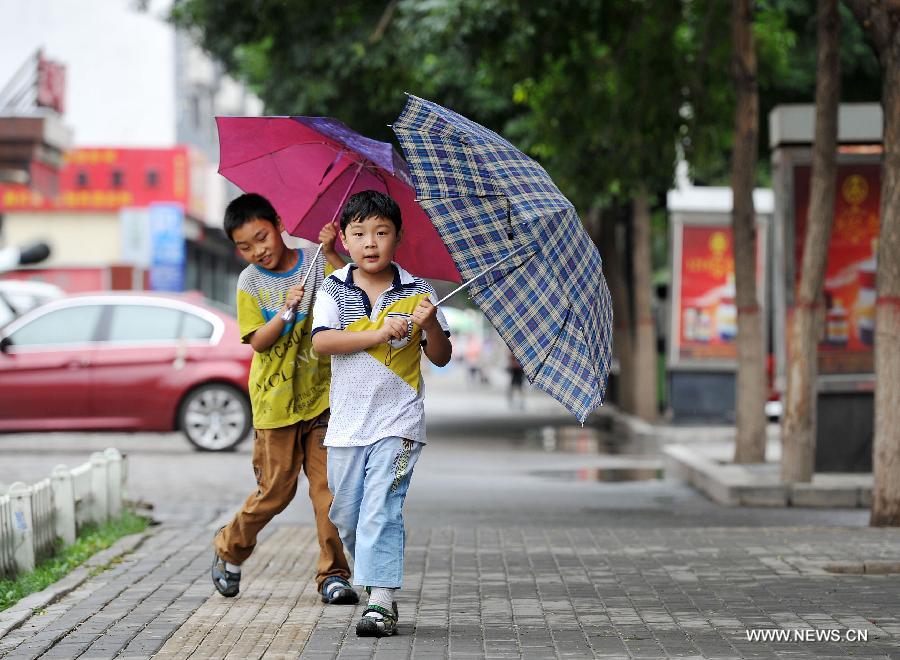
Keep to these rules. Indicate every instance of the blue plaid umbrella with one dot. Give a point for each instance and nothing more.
(488, 200)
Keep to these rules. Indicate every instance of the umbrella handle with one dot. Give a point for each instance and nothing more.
(483, 272)
(288, 315)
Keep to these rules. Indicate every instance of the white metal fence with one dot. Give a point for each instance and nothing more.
(32, 518)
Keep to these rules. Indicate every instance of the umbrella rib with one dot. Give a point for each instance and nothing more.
(553, 346)
(425, 199)
(275, 151)
(557, 339)
(472, 279)
(359, 166)
(507, 273)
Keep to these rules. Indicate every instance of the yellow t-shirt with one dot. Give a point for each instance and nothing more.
(289, 382)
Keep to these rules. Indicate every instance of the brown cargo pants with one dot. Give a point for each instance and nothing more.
(278, 455)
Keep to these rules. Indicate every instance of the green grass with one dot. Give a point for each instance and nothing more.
(92, 540)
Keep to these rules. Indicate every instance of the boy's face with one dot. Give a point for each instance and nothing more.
(260, 243)
(371, 243)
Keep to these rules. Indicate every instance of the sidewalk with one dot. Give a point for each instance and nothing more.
(510, 554)
(497, 593)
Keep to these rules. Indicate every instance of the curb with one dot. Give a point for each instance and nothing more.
(16, 615)
(759, 485)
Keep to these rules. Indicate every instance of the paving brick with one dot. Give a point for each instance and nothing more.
(520, 592)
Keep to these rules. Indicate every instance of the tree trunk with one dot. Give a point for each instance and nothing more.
(750, 444)
(798, 434)
(881, 21)
(645, 376)
(886, 495)
(614, 268)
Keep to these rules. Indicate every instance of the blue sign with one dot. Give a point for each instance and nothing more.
(167, 239)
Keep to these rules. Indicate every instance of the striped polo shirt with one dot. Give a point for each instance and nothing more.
(379, 392)
(289, 381)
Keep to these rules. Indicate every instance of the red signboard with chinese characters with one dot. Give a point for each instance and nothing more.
(106, 179)
(848, 333)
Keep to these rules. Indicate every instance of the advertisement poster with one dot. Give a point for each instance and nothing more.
(708, 315)
(847, 336)
(167, 239)
(136, 238)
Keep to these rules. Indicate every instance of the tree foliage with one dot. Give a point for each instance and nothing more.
(606, 95)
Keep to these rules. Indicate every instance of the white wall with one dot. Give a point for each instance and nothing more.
(120, 87)
(75, 238)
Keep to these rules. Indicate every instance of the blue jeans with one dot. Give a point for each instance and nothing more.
(369, 485)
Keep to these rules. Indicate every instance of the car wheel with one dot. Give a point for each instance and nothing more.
(215, 417)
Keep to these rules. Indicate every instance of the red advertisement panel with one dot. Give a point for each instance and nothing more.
(102, 179)
(847, 337)
(707, 324)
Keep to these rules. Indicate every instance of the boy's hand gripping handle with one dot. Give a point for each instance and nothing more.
(288, 315)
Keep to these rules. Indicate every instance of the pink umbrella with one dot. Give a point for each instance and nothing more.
(308, 167)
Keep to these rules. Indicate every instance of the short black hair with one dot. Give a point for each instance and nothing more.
(370, 203)
(247, 207)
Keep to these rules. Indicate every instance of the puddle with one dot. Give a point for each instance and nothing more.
(585, 440)
(552, 438)
(604, 475)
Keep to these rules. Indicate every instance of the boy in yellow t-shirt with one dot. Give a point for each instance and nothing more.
(289, 385)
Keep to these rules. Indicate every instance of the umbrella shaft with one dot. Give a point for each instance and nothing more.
(485, 271)
(288, 314)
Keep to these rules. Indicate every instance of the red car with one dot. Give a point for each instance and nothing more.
(127, 362)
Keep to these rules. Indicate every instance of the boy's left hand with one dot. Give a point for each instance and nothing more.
(425, 315)
(327, 237)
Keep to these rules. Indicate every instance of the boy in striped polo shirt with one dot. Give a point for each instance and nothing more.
(373, 318)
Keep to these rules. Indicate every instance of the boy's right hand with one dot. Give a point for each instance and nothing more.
(293, 297)
(327, 238)
(394, 327)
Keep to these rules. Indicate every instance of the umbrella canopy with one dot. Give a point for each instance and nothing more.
(487, 199)
(308, 167)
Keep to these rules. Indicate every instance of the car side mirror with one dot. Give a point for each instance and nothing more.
(5, 343)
